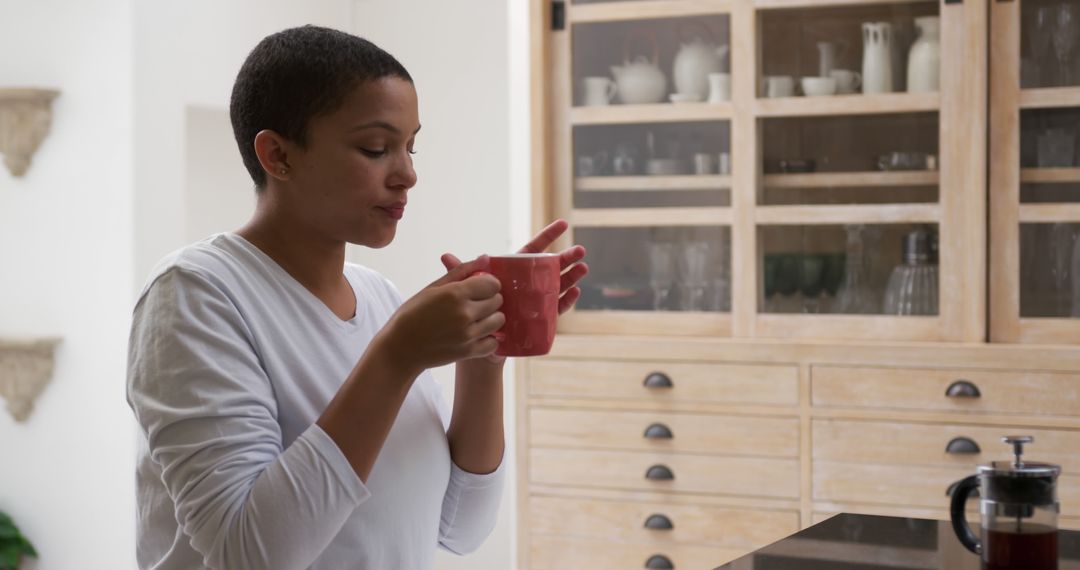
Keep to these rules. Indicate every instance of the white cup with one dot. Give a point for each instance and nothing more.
(719, 87)
(847, 81)
(818, 86)
(598, 91)
(724, 163)
(779, 86)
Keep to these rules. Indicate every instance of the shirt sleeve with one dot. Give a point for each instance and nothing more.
(209, 414)
(470, 508)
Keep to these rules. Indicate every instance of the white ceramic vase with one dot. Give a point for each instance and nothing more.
(877, 58)
(924, 59)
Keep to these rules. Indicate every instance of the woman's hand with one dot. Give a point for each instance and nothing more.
(570, 264)
(450, 320)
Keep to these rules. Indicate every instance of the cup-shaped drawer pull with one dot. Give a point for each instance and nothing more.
(658, 380)
(658, 431)
(962, 445)
(659, 561)
(658, 522)
(659, 473)
(963, 389)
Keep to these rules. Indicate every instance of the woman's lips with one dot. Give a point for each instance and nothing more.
(395, 212)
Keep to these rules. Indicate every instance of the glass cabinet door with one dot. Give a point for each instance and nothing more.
(773, 168)
(861, 177)
(1035, 171)
(644, 154)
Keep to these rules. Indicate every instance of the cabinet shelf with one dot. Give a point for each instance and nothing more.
(645, 9)
(840, 105)
(646, 217)
(1049, 175)
(646, 183)
(853, 214)
(852, 179)
(1050, 97)
(1049, 213)
(654, 113)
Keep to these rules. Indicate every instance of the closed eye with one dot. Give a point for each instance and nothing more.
(373, 153)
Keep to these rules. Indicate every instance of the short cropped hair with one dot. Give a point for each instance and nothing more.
(295, 75)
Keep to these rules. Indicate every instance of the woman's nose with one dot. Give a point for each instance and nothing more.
(403, 176)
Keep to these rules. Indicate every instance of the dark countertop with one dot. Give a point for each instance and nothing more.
(864, 542)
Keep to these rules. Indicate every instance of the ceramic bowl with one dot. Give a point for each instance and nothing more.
(818, 86)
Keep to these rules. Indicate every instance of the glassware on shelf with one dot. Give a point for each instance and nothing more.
(856, 295)
(662, 271)
(913, 285)
(694, 275)
(721, 283)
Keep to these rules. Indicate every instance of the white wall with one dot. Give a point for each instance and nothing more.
(67, 474)
(187, 54)
(218, 192)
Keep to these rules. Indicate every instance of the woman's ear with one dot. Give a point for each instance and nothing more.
(272, 150)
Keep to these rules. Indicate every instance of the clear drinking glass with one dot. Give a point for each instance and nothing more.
(856, 295)
(661, 273)
(694, 275)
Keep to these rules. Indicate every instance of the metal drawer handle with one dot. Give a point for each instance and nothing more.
(658, 431)
(658, 380)
(963, 389)
(658, 522)
(659, 473)
(962, 445)
(659, 561)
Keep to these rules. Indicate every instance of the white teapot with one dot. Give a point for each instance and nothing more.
(640, 81)
(693, 64)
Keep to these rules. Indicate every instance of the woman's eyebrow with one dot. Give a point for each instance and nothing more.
(381, 125)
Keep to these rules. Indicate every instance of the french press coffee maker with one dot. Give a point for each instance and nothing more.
(1019, 508)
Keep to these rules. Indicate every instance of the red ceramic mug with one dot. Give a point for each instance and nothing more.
(530, 292)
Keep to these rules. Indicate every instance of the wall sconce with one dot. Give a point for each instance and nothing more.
(25, 118)
(25, 368)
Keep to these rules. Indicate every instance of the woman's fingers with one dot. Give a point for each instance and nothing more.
(568, 299)
(572, 276)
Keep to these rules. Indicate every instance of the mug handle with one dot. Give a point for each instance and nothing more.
(960, 495)
(612, 89)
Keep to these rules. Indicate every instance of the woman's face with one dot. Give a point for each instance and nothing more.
(351, 181)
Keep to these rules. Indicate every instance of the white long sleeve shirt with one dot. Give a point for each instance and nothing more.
(231, 361)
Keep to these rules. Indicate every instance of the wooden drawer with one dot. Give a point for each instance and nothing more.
(925, 444)
(724, 527)
(763, 477)
(693, 383)
(561, 552)
(914, 486)
(924, 389)
(690, 433)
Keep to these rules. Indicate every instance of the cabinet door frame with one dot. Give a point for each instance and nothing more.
(961, 210)
(1007, 100)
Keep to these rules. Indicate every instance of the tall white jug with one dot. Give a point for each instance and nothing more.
(877, 57)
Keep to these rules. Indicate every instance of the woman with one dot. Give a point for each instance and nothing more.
(287, 415)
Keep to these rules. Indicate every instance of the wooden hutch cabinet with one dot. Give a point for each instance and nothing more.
(835, 256)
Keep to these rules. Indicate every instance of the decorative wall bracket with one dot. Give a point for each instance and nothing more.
(25, 368)
(25, 118)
